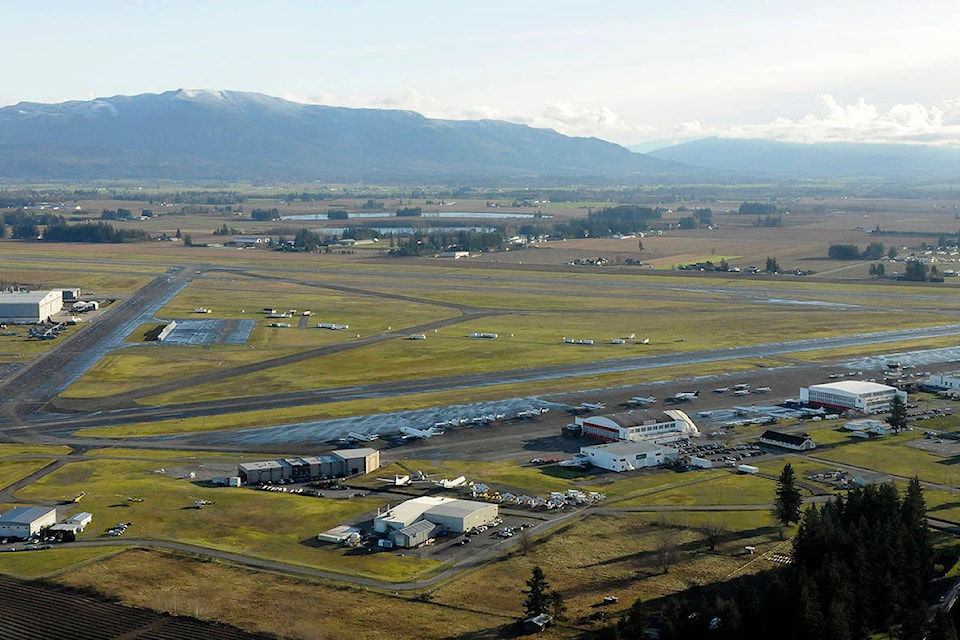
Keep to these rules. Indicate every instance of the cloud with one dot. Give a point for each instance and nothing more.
(912, 123)
(565, 117)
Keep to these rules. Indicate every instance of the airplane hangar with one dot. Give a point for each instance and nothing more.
(451, 514)
(342, 462)
(639, 425)
(29, 307)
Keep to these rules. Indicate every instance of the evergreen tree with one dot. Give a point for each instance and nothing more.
(898, 414)
(789, 501)
(536, 601)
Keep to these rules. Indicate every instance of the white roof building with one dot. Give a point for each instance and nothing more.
(29, 306)
(637, 425)
(24, 522)
(451, 514)
(627, 456)
(868, 397)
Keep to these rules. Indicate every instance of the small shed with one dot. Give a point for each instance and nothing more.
(536, 624)
(413, 535)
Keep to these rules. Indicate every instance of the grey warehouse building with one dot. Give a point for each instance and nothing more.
(342, 462)
(29, 307)
(24, 522)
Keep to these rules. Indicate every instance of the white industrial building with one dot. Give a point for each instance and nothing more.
(637, 425)
(24, 522)
(29, 307)
(450, 514)
(945, 381)
(867, 397)
(342, 462)
(627, 456)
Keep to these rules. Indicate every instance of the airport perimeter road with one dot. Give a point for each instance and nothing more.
(32, 386)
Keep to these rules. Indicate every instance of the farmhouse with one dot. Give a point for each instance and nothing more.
(788, 440)
(29, 307)
(24, 522)
(627, 456)
(662, 426)
(868, 397)
(449, 514)
(342, 462)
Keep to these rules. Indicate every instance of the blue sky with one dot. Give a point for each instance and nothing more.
(619, 70)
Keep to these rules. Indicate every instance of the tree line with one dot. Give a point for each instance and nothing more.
(862, 564)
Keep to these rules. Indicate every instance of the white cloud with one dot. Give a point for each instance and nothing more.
(912, 123)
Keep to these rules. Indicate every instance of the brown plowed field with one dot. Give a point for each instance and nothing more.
(35, 610)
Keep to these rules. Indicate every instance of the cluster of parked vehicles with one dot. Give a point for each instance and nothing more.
(118, 529)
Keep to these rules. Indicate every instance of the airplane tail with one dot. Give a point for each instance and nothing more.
(696, 394)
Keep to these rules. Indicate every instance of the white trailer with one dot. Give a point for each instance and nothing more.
(748, 468)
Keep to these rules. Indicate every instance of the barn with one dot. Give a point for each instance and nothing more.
(788, 440)
(29, 307)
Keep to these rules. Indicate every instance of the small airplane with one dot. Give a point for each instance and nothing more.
(79, 496)
(459, 481)
(641, 400)
(533, 413)
(592, 406)
(130, 498)
(742, 392)
(410, 432)
(686, 395)
(397, 481)
(741, 386)
(645, 341)
(762, 390)
(721, 389)
(362, 437)
(201, 503)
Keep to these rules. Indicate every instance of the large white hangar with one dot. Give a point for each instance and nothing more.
(662, 426)
(628, 456)
(868, 397)
(29, 307)
(24, 522)
(451, 514)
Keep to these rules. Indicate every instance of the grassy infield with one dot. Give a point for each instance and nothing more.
(592, 557)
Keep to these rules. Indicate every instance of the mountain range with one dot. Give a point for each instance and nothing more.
(239, 136)
(231, 136)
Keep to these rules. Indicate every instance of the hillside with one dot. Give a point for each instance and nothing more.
(823, 160)
(233, 136)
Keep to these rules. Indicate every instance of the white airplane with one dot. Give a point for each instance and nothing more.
(532, 413)
(397, 481)
(741, 386)
(762, 390)
(641, 400)
(721, 389)
(592, 406)
(645, 341)
(459, 481)
(199, 504)
(362, 437)
(742, 392)
(686, 395)
(410, 432)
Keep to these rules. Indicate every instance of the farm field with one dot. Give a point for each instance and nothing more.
(533, 300)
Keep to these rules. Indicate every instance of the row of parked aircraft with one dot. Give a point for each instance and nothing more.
(420, 477)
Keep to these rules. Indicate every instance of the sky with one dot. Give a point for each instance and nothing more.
(620, 70)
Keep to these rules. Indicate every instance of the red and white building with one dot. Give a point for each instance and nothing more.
(867, 397)
(635, 426)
